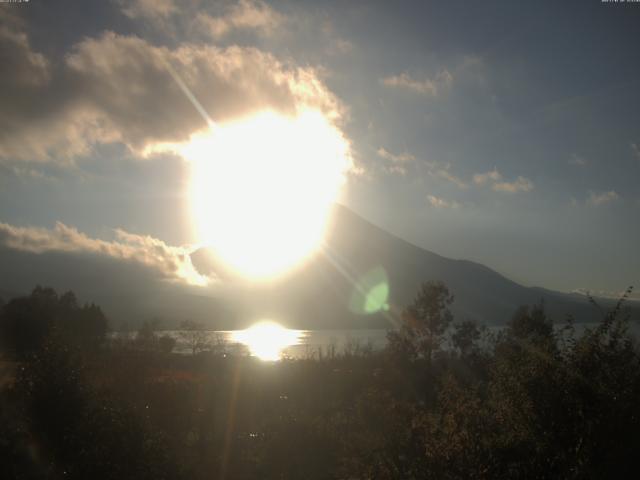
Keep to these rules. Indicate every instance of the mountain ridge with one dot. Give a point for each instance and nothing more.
(317, 294)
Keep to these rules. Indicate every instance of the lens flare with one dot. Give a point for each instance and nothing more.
(371, 292)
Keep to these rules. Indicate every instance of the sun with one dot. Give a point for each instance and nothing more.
(262, 188)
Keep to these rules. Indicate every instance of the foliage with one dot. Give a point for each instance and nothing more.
(424, 322)
(146, 338)
(26, 322)
(166, 344)
(537, 400)
(81, 434)
(465, 337)
(194, 335)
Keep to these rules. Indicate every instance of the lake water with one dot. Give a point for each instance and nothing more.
(272, 341)
(293, 343)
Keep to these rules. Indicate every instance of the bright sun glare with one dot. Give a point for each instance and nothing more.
(266, 340)
(262, 188)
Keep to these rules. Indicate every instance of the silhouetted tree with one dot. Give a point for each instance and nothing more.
(531, 323)
(194, 336)
(27, 321)
(146, 336)
(541, 404)
(84, 435)
(166, 343)
(424, 322)
(465, 337)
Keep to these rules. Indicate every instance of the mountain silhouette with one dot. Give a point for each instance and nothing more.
(328, 290)
(320, 292)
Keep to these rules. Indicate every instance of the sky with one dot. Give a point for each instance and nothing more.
(501, 132)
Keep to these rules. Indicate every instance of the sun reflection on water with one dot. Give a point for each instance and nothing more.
(267, 340)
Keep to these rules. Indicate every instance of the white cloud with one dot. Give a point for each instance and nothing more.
(169, 262)
(397, 162)
(447, 175)
(498, 184)
(577, 160)
(520, 184)
(635, 150)
(483, 178)
(634, 295)
(438, 202)
(597, 199)
(253, 15)
(117, 88)
(340, 46)
(396, 158)
(432, 87)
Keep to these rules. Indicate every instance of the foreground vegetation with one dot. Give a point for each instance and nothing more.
(533, 401)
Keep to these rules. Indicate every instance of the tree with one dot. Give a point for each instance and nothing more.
(531, 323)
(424, 322)
(146, 337)
(84, 433)
(26, 322)
(83, 326)
(195, 337)
(166, 343)
(465, 337)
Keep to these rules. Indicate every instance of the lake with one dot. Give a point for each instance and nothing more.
(270, 341)
(290, 343)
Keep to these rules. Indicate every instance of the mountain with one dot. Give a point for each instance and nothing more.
(359, 254)
(480, 293)
(326, 291)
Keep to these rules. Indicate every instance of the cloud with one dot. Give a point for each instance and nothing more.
(25, 74)
(23, 67)
(634, 295)
(24, 172)
(577, 160)
(396, 158)
(431, 87)
(254, 15)
(118, 89)
(520, 184)
(336, 44)
(148, 9)
(438, 202)
(445, 174)
(495, 179)
(169, 262)
(635, 150)
(398, 162)
(483, 178)
(339, 46)
(597, 199)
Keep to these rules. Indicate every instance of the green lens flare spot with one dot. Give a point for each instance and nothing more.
(370, 293)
